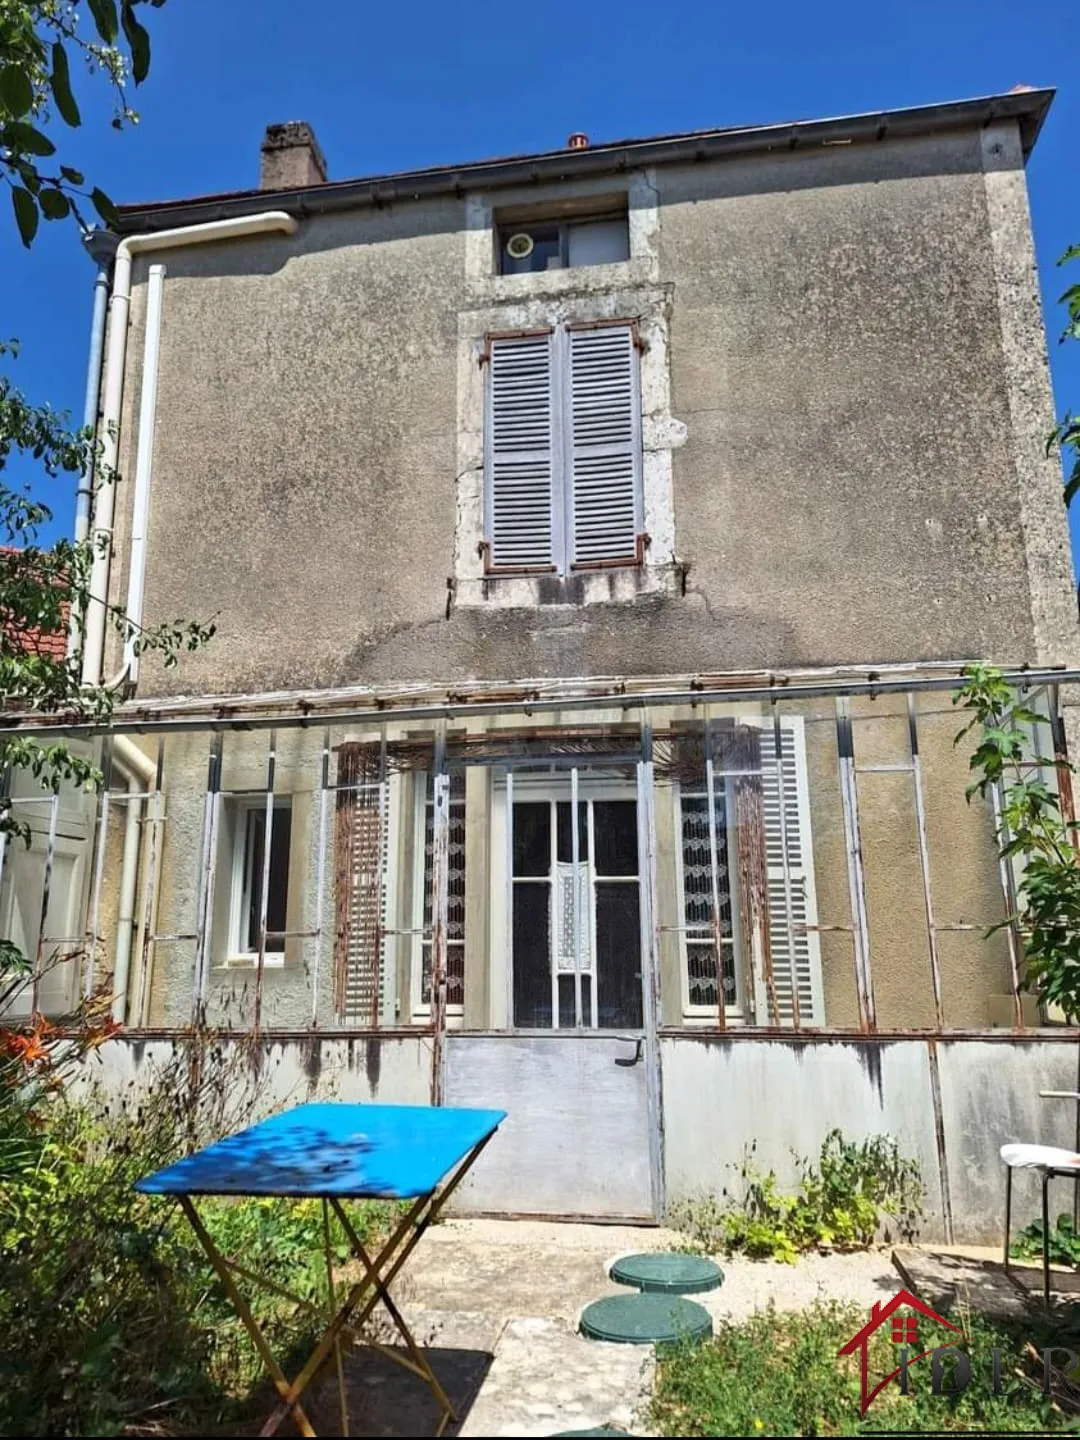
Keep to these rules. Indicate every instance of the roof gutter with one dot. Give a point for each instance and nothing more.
(1028, 107)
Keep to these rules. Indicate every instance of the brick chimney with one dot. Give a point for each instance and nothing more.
(290, 157)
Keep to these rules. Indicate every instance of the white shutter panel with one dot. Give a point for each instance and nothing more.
(519, 452)
(796, 955)
(605, 444)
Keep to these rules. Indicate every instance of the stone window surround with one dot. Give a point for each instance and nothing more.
(626, 290)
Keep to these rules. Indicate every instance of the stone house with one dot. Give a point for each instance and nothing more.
(595, 539)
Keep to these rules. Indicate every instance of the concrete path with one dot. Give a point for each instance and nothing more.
(498, 1301)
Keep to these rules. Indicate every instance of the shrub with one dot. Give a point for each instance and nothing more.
(111, 1319)
(779, 1374)
(855, 1189)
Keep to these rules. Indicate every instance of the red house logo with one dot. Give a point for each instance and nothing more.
(904, 1331)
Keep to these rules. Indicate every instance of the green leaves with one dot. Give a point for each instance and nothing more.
(1032, 832)
(26, 214)
(40, 44)
(21, 137)
(139, 41)
(105, 208)
(60, 84)
(55, 205)
(104, 13)
(16, 92)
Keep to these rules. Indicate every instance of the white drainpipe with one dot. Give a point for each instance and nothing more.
(140, 509)
(264, 223)
(141, 773)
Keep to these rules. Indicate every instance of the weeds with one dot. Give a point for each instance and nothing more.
(111, 1320)
(855, 1190)
(1064, 1246)
(779, 1374)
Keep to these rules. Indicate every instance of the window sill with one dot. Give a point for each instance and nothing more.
(709, 1015)
(569, 280)
(612, 584)
(275, 961)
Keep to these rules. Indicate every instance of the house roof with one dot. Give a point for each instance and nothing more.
(49, 645)
(880, 1313)
(1027, 106)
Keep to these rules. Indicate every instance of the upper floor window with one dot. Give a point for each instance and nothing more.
(562, 452)
(525, 247)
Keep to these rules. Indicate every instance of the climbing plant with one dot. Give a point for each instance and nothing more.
(1031, 829)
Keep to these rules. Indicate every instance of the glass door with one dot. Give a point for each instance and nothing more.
(575, 912)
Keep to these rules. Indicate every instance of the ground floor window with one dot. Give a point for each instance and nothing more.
(744, 876)
(552, 881)
(424, 890)
(252, 871)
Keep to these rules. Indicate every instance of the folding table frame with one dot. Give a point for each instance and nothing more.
(359, 1301)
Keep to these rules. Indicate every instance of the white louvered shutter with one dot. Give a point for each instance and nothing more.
(604, 445)
(519, 452)
(796, 955)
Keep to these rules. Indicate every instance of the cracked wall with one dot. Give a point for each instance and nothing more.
(850, 378)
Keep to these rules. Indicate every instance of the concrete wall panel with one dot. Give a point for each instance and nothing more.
(576, 1138)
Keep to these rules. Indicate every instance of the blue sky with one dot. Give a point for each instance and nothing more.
(390, 87)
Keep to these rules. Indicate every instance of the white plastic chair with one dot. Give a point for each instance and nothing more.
(1051, 1162)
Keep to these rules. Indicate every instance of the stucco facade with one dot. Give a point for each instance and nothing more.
(849, 405)
(619, 846)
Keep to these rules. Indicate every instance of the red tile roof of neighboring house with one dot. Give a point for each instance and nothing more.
(50, 645)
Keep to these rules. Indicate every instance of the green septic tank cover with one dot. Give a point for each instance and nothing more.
(566, 1434)
(646, 1319)
(669, 1273)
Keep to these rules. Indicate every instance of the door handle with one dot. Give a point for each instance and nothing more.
(639, 1047)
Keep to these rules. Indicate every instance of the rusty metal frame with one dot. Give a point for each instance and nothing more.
(1008, 895)
(320, 880)
(924, 861)
(651, 997)
(43, 915)
(97, 880)
(204, 919)
(461, 751)
(575, 860)
(714, 878)
(264, 893)
(860, 929)
(508, 900)
(147, 948)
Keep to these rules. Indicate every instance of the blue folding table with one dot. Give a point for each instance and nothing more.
(334, 1153)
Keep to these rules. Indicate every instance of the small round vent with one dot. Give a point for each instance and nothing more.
(519, 246)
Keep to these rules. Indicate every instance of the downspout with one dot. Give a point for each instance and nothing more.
(101, 246)
(140, 506)
(141, 773)
(268, 221)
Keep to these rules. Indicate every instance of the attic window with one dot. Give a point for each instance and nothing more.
(529, 245)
